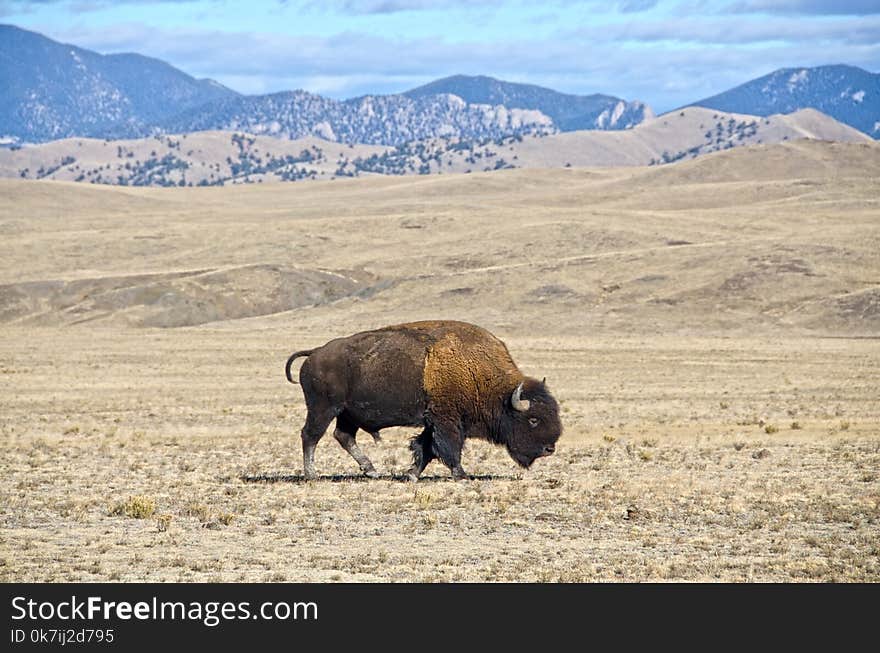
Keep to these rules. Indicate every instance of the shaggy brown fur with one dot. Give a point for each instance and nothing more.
(466, 363)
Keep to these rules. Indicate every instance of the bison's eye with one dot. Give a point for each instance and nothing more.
(533, 421)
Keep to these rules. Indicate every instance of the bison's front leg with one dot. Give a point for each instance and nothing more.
(422, 454)
(446, 444)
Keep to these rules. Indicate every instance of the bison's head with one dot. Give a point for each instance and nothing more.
(533, 415)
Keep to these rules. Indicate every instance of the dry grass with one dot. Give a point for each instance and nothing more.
(149, 454)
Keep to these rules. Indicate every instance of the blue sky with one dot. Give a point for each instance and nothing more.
(664, 53)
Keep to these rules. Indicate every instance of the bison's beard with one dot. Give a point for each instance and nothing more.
(522, 460)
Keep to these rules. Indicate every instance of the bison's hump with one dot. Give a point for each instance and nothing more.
(468, 365)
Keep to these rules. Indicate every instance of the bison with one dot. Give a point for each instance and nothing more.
(454, 379)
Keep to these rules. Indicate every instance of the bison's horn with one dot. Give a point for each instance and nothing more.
(521, 405)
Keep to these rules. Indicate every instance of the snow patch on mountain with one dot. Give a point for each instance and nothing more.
(797, 79)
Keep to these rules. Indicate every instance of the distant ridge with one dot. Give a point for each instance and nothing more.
(569, 112)
(371, 119)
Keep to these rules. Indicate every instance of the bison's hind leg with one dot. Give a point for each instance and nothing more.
(317, 421)
(345, 435)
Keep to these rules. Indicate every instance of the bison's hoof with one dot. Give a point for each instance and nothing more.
(371, 473)
(412, 477)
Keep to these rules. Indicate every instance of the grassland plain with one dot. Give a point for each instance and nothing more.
(710, 330)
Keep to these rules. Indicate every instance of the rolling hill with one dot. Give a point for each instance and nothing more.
(684, 134)
(200, 158)
(760, 239)
(218, 158)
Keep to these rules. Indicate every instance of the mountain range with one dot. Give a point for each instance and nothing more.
(54, 90)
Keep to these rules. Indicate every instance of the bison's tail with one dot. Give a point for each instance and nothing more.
(293, 357)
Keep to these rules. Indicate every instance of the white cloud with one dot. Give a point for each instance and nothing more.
(807, 7)
(726, 30)
(664, 62)
(366, 7)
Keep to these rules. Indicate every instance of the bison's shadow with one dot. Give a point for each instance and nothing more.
(275, 477)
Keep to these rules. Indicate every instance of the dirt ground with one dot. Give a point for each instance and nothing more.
(722, 417)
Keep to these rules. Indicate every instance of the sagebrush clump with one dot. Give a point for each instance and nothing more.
(136, 507)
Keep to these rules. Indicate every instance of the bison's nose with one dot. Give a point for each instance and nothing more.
(550, 448)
